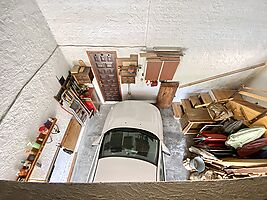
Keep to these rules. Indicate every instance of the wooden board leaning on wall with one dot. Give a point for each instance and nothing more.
(244, 110)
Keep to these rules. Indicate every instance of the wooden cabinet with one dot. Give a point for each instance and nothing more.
(128, 69)
(84, 75)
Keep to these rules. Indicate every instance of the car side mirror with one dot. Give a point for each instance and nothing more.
(165, 149)
(97, 141)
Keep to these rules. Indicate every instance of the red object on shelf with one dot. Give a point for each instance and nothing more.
(89, 105)
(42, 129)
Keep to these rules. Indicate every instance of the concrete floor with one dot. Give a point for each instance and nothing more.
(173, 138)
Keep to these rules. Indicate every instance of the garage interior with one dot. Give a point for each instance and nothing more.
(66, 64)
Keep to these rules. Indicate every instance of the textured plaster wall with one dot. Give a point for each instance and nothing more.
(26, 42)
(97, 23)
(219, 35)
(26, 46)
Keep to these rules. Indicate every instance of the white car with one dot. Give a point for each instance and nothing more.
(131, 145)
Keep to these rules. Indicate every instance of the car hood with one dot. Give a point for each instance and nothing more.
(135, 114)
(120, 169)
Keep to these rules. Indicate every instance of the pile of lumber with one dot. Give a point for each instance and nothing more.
(227, 168)
(193, 113)
(162, 54)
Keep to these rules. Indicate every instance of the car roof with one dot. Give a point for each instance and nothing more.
(135, 114)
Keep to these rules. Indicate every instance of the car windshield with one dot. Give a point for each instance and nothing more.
(133, 143)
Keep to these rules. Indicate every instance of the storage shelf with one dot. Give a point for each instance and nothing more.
(36, 153)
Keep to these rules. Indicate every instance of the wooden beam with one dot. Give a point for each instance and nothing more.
(223, 75)
(237, 162)
(254, 89)
(252, 170)
(255, 96)
(225, 94)
(177, 110)
(263, 114)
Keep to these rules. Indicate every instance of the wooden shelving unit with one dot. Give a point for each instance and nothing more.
(30, 164)
(71, 97)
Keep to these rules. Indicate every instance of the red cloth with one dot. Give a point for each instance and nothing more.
(252, 147)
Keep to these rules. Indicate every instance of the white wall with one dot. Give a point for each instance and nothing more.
(220, 35)
(26, 43)
(259, 82)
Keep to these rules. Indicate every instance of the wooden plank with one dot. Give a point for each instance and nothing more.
(71, 135)
(153, 70)
(184, 121)
(250, 111)
(191, 131)
(195, 115)
(187, 107)
(168, 70)
(194, 100)
(252, 170)
(177, 110)
(237, 162)
(224, 94)
(206, 98)
(176, 59)
(149, 55)
(254, 96)
(254, 89)
(199, 115)
(166, 94)
(224, 74)
(187, 128)
(258, 117)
